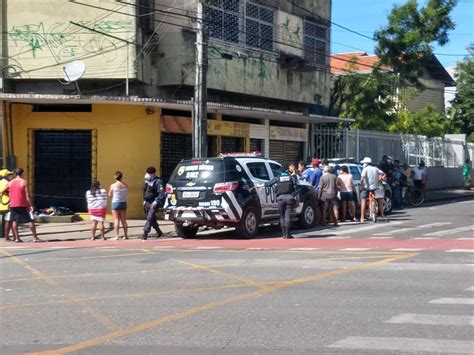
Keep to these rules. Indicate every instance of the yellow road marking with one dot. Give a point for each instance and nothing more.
(200, 309)
(95, 314)
(245, 280)
(133, 295)
(118, 273)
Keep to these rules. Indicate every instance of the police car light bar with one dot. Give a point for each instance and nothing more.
(241, 154)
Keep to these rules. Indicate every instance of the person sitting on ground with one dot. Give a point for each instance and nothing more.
(345, 184)
(371, 180)
(328, 195)
(97, 205)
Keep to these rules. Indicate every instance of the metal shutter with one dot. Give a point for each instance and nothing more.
(285, 152)
(257, 145)
(174, 147)
(232, 145)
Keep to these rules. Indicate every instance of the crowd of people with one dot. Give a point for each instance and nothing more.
(16, 206)
(330, 181)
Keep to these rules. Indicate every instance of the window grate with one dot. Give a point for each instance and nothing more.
(259, 26)
(316, 42)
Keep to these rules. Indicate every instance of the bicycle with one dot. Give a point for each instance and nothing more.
(414, 196)
(373, 206)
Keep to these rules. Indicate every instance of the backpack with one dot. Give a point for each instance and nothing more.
(150, 190)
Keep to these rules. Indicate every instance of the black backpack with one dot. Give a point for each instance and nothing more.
(150, 190)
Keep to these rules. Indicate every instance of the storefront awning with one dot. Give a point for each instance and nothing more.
(182, 105)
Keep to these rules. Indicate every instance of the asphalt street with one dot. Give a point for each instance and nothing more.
(405, 286)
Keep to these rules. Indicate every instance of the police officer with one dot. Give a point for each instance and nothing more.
(286, 191)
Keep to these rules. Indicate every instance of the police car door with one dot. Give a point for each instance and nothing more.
(275, 170)
(259, 173)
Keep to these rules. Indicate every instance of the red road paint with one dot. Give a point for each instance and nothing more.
(265, 243)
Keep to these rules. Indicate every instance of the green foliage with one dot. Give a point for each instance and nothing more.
(428, 122)
(462, 111)
(409, 35)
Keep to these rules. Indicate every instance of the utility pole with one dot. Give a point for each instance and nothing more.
(199, 134)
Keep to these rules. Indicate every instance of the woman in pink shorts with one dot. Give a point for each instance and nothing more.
(97, 205)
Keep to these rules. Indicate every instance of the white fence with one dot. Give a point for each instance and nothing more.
(410, 149)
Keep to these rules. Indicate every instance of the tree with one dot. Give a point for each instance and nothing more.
(462, 111)
(428, 122)
(407, 39)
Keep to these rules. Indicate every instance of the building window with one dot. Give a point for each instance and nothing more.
(259, 26)
(224, 20)
(316, 42)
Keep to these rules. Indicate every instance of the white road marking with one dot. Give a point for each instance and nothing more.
(460, 251)
(366, 228)
(405, 345)
(338, 237)
(208, 248)
(453, 301)
(426, 238)
(465, 239)
(412, 229)
(304, 249)
(406, 249)
(381, 238)
(355, 249)
(450, 231)
(469, 289)
(434, 319)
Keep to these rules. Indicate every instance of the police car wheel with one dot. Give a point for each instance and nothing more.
(308, 215)
(248, 225)
(185, 232)
(387, 204)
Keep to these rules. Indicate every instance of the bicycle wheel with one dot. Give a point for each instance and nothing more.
(416, 197)
(373, 210)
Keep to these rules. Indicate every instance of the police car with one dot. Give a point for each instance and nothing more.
(229, 191)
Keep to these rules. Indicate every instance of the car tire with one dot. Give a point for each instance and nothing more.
(247, 228)
(186, 232)
(387, 204)
(309, 215)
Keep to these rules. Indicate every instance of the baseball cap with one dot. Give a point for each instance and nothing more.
(367, 160)
(315, 161)
(5, 172)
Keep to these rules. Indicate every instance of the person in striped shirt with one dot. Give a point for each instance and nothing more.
(97, 205)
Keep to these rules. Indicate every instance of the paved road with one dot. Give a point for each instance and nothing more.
(354, 289)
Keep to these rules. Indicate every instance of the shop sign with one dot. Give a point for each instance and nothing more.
(288, 133)
(175, 124)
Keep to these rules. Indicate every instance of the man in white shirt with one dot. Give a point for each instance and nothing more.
(420, 175)
(371, 179)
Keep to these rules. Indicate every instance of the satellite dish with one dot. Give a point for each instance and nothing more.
(74, 71)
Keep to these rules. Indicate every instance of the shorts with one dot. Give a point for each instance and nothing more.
(347, 196)
(380, 192)
(364, 194)
(119, 206)
(97, 214)
(20, 215)
(418, 183)
(332, 203)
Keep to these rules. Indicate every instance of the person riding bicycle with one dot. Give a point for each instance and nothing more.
(371, 180)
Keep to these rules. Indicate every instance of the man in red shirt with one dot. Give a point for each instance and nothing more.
(20, 205)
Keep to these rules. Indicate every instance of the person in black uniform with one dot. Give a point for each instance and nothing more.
(286, 191)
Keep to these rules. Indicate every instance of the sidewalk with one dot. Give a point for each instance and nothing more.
(81, 230)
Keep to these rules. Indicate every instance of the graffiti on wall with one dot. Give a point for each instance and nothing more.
(63, 41)
(290, 33)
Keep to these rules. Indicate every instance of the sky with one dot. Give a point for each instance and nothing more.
(366, 16)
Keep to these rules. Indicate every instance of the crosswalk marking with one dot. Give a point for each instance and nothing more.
(356, 249)
(460, 251)
(453, 301)
(450, 231)
(406, 249)
(426, 238)
(381, 238)
(406, 344)
(338, 237)
(434, 319)
(365, 228)
(412, 229)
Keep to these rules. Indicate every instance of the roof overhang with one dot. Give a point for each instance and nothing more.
(181, 105)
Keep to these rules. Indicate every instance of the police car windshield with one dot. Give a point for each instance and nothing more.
(199, 171)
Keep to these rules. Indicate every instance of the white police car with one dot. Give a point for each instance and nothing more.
(228, 191)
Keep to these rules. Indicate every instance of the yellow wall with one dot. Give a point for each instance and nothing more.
(128, 139)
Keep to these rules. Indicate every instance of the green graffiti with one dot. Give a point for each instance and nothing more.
(64, 40)
(289, 33)
(260, 67)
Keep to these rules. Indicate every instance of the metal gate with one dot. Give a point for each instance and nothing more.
(62, 168)
(174, 147)
(286, 152)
